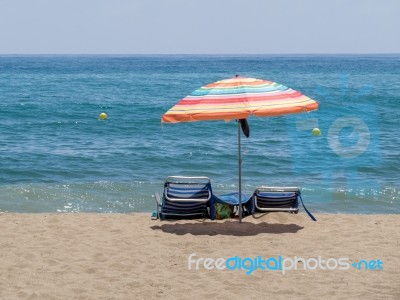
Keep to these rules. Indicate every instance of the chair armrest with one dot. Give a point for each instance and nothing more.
(158, 198)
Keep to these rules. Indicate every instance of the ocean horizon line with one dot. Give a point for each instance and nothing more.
(199, 54)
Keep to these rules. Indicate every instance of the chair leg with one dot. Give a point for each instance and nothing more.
(158, 212)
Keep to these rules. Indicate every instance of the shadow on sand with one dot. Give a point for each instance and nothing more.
(226, 228)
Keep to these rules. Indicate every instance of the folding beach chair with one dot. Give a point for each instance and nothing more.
(185, 197)
(266, 199)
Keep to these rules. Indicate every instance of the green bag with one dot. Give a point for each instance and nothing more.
(223, 211)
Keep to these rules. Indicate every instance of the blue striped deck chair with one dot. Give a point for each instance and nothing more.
(267, 199)
(185, 197)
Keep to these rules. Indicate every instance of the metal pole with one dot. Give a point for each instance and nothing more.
(240, 175)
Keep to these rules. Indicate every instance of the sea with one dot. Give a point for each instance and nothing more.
(56, 155)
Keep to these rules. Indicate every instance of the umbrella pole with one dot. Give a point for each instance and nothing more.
(240, 175)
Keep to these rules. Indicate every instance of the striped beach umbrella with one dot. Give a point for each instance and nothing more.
(238, 98)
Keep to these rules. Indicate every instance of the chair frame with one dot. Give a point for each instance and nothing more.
(276, 189)
(183, 180)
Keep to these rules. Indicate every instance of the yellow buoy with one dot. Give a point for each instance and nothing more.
(102, 116)
(316, 131)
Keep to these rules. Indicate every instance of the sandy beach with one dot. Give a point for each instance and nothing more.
(130, 256)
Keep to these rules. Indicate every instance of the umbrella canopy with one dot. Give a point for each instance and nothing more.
(238, 98)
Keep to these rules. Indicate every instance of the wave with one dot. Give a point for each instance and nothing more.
(137, 196)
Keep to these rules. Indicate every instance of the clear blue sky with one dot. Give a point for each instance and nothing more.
(199, 26)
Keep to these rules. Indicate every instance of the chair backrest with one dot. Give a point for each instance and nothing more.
(183, 189)
(277, 197)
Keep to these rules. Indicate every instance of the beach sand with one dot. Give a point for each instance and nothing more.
(129, 256)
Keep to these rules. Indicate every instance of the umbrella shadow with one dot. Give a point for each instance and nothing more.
(227, 228)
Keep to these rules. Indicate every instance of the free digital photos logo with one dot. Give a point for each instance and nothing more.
(280, 263)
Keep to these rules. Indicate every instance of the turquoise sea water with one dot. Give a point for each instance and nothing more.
(55, 155)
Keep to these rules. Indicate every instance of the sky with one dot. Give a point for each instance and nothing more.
(199, 26)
